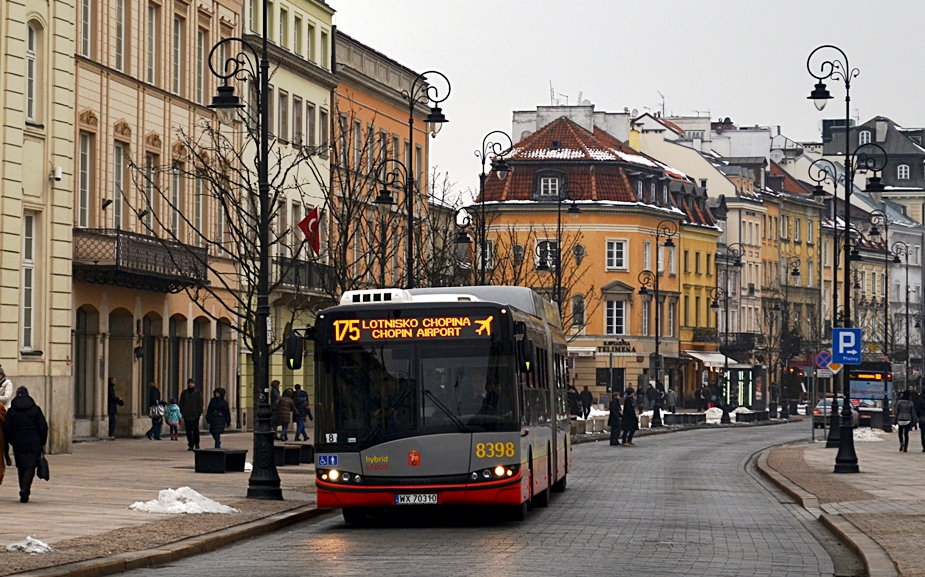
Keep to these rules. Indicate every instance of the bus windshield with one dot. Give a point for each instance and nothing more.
(375, 392)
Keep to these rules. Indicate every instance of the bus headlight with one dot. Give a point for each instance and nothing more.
(333, 474)
(499, 471)
(345, 477)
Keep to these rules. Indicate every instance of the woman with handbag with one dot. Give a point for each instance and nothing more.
(27, 432)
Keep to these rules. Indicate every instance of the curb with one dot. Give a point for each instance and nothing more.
(877, 562)
(605, 436)
(178, 550)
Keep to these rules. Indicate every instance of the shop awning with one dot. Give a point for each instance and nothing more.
(712, 360)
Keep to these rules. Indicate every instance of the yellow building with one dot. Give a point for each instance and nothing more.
(614, 206)
(36, 179)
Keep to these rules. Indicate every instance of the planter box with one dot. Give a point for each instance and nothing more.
(219, 460)
(745, 417)
(579, 427)
(672, 419)
(761, 416)
(286, 454)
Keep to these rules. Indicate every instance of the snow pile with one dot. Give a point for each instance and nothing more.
(248, 466)
(714, 415)
(595, 412)
(30, 546)
(180, 501)
(737, 410)
(866, 435)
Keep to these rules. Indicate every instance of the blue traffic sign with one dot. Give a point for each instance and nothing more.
(846, 346)
(823, 359)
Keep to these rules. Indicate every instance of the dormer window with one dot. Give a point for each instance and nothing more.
(652, 192)
(665, 194)
(555, 145)
(902, 172)
(639, 190)
(549, 185)
(864, 137)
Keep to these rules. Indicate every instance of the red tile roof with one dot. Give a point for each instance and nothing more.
(791, 184)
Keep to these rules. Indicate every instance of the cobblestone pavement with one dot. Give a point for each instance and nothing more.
(679, 504)
(885, 500)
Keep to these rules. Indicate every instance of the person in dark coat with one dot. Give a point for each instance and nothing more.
(302, 411)
(113, 402)
(191, 409)
(630, 422)
(615, 421)
(285, 408)
(573, 403)
(218, 416)
(157, 417)
(587, 399)
(651, 396)
(27, 432)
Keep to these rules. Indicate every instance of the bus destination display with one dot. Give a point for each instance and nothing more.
(431, 327)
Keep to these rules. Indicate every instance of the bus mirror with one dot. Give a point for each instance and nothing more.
(295, 349)
(527, 356)
(520, 328)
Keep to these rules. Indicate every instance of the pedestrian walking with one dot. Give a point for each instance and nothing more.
(285, 408)
(218, 416)
(191, 409)
(615, 421)
(27, 432)
(914, 397)
(113, 402)
(303, 411)
(671, 400)
(708, 396)
(905, 416)
(155, 411)
(172, 416)
(573, 403)
(587, 399)
(630, 422)
(274, 404)
(6, 397)
(698, 401)
(651, 396)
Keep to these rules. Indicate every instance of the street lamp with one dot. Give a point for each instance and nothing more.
(391, 174)
(792, 264)
(501, 169)
(838, 69)
(564, 195)
(866, 157)
(715, 294)
(901, 249)
(733, 251)
(666, 229)
(264, 481)
(879, 218)
(421, 93)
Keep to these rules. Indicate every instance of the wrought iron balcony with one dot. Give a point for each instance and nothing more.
(132, 260)
(740, 342)
(304, 277)
(705, 336)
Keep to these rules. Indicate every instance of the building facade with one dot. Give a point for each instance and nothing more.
(36, 176)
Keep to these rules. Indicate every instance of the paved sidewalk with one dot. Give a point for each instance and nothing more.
(83, 511)
(879, 512)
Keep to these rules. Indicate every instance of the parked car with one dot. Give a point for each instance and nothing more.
(865, 407)
(824, 407)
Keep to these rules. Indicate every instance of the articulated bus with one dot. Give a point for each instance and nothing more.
(450, 396)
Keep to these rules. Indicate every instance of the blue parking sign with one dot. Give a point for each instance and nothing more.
(846, 346)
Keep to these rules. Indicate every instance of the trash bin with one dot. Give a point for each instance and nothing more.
(876, 419)
(772, 410)
(793, 408)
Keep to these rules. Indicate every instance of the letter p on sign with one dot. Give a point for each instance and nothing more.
(847, 349)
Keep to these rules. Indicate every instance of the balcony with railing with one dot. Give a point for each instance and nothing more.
(137, 261)
(304, 277)
(740, 343)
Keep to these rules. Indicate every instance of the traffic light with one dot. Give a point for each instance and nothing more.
(295, 350)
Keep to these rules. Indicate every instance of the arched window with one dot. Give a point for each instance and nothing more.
(902, 172)
(32, 69)
(864, 137)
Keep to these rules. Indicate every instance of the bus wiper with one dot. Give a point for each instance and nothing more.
(449, 413)
(372, 434)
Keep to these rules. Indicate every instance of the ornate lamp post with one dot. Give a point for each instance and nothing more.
(792, 265)
(264, 480)
(877, 219)
(733, 251)
(500, 167)
(666, 229)
(420, 93)
(901, 249)
(715, 294)
(868, 157)
(565, 195)
(838, 69)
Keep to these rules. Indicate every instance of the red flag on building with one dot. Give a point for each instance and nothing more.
(309, 226)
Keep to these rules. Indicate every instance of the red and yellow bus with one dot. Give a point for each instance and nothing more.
(449, 396)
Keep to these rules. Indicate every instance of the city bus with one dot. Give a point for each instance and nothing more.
(442, 396)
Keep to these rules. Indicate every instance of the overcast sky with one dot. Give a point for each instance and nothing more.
(745, 59)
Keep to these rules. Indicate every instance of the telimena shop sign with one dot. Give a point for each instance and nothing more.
(620, 346)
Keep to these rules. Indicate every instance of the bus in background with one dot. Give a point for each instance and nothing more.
(871, 389)
(443, 396)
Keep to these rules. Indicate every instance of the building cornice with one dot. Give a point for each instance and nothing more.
(295, 64)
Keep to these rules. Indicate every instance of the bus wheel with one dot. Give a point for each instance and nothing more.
(517, 512)
(354, 516)
(560, 485)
